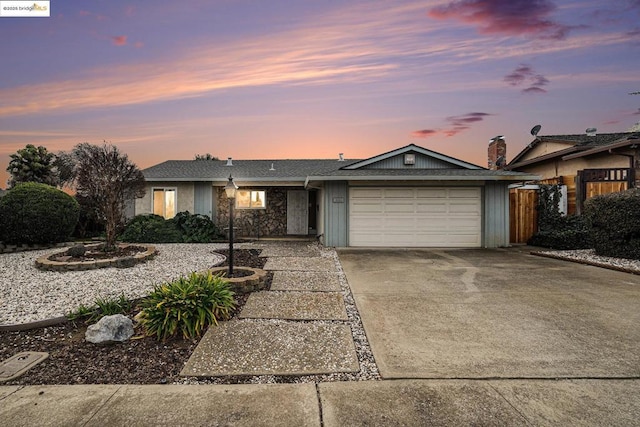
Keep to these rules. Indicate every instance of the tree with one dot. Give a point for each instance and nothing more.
(207, 156)
(32, 164)
(107, 178)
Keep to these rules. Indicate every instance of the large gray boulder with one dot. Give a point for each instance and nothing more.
(115, 328)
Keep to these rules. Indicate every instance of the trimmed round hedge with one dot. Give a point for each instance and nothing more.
(33, 213)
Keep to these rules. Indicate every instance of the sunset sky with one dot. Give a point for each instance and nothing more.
(310, 79)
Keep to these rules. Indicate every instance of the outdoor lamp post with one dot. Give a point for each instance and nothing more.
(230, 189)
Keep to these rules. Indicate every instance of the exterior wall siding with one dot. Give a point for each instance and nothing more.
(496, 215)
(336, 214)
(422, 162)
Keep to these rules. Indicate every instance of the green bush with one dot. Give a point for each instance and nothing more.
(183, 228)
(151, 229)
(615, 223)
(571, 232)
(187, 305)
(554, 230)
(195, 228)
(34, 213)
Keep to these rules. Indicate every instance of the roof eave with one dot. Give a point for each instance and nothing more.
(609, 148)
(515, 178)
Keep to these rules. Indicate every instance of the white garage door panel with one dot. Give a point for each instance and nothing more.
(415, 217)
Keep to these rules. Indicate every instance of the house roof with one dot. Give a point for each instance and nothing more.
(306, 170)
(576, 143)
(216, 170)
(628, 141)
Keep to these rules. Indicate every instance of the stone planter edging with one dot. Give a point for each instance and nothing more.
(44, 263)
(246, 284)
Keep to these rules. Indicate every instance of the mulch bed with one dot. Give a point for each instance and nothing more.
(72, 360)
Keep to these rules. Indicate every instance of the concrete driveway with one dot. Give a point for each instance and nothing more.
(494, 314)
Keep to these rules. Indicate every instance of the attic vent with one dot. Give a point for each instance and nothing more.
(409, 159)
(341, 157)
(229, 161)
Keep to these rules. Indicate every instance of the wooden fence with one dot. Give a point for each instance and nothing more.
(523, 216)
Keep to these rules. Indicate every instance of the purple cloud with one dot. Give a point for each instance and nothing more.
(637, 113)
(512, 17)
(463, 122)
(524, 74)
(455, 125)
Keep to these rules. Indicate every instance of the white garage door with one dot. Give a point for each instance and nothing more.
(415, 217)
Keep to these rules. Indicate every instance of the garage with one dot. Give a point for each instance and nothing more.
(415, 216)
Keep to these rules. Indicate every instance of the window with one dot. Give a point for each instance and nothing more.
(251, 199)
(164, 202)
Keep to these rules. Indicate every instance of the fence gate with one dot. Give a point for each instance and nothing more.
(523, 216)
(594, 182)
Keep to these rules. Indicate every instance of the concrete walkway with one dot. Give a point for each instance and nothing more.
(275, 333)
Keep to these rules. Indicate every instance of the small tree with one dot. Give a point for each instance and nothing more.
(32, 164)
(107, 178)
(207, 156)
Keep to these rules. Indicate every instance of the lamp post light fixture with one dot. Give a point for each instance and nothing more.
(231, 189)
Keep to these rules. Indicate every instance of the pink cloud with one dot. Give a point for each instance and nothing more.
(524, 74)
(637, 113)
(424, 133)
(119, 40)
(138, 44)
(512, 17)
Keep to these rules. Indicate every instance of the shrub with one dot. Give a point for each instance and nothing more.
(187, 305)
(102, 307)
(151, 229)
(554, 230)
(35, 213)
(615, 223)
(77, 251)
(195, 228)
(571, 232)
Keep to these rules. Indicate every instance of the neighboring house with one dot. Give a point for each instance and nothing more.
(587, 164)
(408, 197)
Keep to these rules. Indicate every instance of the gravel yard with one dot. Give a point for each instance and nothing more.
(28, 294)
(588, 256)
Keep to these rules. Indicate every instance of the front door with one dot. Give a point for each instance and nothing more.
(297, 212)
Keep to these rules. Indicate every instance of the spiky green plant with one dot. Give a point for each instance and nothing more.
(102, 307)
(187, 305)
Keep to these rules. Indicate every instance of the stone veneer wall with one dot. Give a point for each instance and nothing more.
(271, 221)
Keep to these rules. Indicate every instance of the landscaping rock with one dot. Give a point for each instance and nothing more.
(110, 329)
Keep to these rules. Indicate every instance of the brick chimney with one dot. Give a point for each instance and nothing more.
(497, 153)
